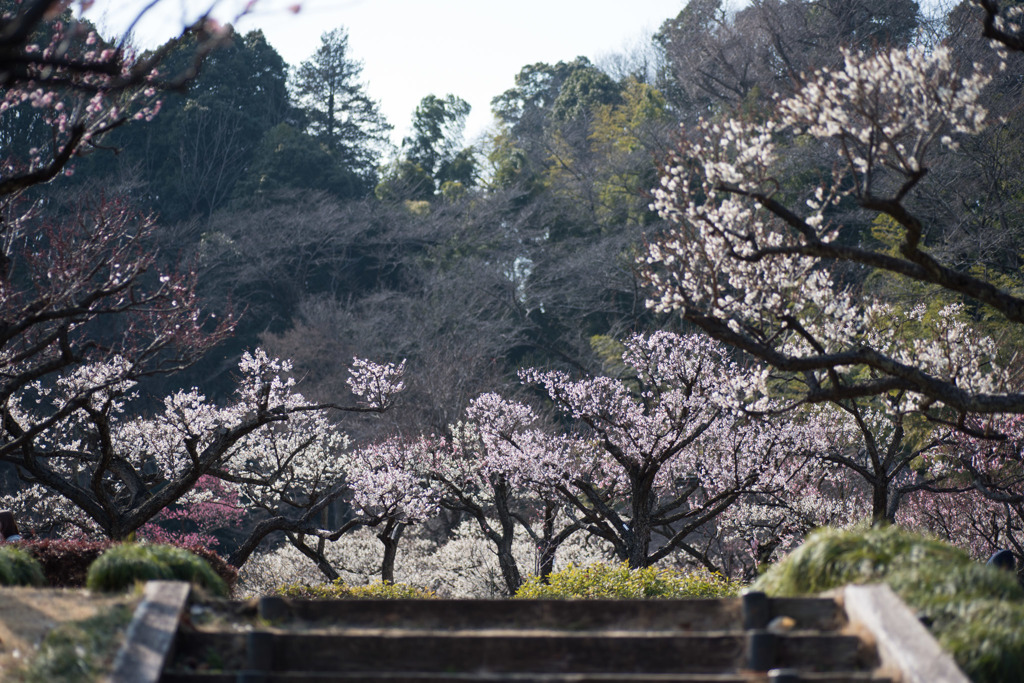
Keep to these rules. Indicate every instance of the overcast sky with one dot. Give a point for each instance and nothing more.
(412, 48)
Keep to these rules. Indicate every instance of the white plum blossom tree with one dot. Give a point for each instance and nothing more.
(751, 259)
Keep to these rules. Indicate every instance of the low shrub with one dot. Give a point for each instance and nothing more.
(65, 562)
(974, 611)
(339, 590)
(187, 566)
(18, 568)
(123, 565)
(619, 581)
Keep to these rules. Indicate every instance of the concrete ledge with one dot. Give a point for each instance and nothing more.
(904, 644)
(151, 633)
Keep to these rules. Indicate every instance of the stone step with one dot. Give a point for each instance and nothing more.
(571, 615)
(527, 651)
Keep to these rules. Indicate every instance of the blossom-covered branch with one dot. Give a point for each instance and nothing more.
(56, 68)
(755, 265)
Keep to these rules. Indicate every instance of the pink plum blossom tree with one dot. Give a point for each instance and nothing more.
(500, 467)
(391, 489)
(675, 447)
(197, 516)
(82, 314)
(114, 472)
(56, 68)
(981, 504)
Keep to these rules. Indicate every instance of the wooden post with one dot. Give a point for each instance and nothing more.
(756, 610)
(151, 632)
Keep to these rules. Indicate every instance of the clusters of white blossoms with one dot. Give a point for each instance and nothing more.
(270, 445)
(888, 109)
(742, 254)
(375, 383)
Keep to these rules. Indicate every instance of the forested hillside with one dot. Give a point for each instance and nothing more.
(680, 305)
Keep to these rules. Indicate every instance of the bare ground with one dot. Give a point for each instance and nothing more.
(28, 614)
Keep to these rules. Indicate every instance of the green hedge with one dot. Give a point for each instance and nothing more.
(974, 611)
(122, 566)
(619, 581)
(339, 590)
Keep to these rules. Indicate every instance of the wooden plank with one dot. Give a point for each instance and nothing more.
(817, 652)
(904, 644)
(412, 650)
(821, 614)
(476, 677)
(434, 677)
(151, 633)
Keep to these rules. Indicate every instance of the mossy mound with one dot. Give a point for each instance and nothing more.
(973, 610)
(830, 558)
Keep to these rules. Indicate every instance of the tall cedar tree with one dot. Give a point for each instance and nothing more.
(339, 111)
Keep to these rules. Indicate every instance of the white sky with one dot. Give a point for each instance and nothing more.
(412, 48)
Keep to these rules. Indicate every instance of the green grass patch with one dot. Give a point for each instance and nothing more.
(621, 582)
(974, 611)
(339, 590)
(79, 651)
(122, 566)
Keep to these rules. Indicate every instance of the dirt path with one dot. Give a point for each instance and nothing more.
(28, 614)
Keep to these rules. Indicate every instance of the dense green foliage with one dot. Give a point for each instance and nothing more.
(19, 568)
(974, 610)
(339, 590)
(620, 582)
(122, 566)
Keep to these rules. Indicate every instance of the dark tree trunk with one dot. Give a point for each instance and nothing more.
(880, 502)
(637, 533)
(389, 536)
(548, 545)
(507, 562)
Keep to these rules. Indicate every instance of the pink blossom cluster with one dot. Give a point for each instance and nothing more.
(391, 479)
(209, 507)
